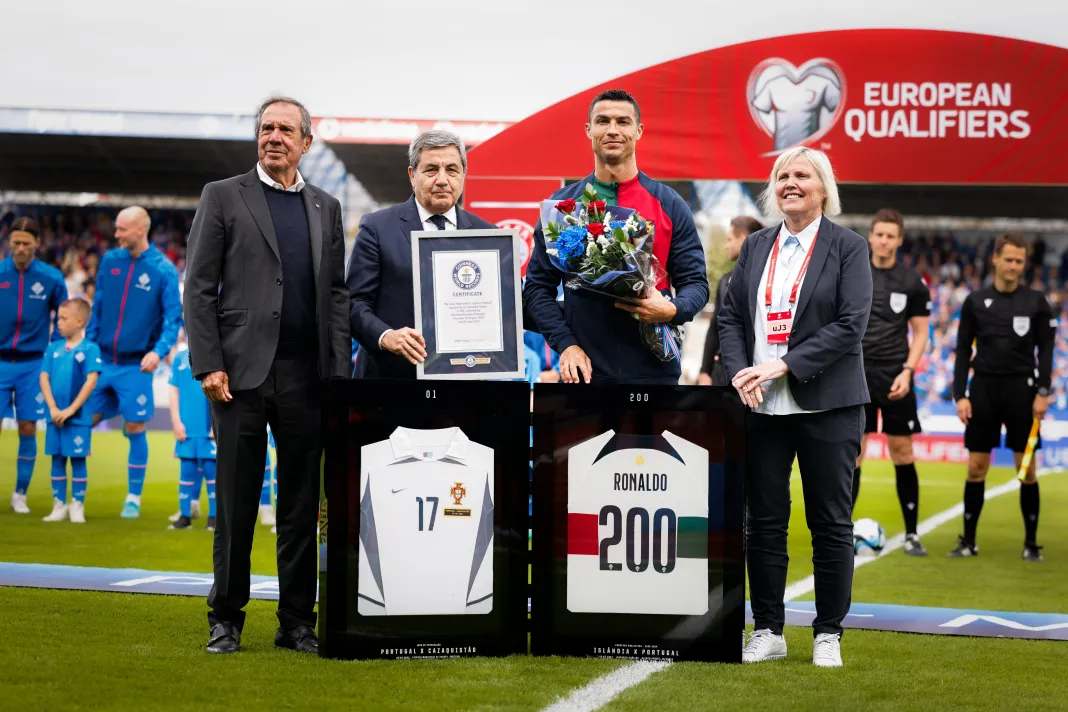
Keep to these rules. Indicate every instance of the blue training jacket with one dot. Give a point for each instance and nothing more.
(29, 305)
(137, 307)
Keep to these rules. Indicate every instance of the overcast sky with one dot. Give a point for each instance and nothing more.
(466, 59)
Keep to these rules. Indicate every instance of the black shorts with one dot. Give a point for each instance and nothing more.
(997, 401)
(899, 416)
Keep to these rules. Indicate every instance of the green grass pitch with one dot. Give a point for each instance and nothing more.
(82, 650)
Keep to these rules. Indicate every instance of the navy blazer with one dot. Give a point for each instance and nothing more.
(380, 284)
(825, 359)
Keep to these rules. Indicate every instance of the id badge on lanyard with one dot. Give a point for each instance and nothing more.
(781, 323)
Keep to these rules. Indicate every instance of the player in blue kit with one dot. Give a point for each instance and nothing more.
(136, 317)
(69, 373)
(194, 442)
(30, 294)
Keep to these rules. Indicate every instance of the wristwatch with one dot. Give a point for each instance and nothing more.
(1045, 392)
(906, 367)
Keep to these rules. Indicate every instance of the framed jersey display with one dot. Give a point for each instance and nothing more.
(425, 550)
(638, 497)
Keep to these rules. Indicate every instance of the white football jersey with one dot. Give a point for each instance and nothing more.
(637, 525)
(426, 525)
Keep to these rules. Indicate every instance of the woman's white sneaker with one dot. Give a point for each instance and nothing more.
(827, 650)
(764, 645)
(59, 511)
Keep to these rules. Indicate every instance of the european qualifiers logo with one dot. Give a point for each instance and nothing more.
(937, 110)
(795, 105)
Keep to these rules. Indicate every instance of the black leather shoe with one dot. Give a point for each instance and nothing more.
(302, 639)
(225, 638)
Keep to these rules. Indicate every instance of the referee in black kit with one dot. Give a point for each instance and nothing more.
(900, 301)
(1007, 322)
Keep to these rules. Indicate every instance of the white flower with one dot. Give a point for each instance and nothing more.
(603, 241)
(554, 253)
(589, 248)
(607, 218)
(571, 220)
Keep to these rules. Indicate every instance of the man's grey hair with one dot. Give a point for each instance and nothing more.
(435, 139)
(832, 204)
(305, 117)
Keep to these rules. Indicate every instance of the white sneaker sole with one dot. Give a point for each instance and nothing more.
(768, 658)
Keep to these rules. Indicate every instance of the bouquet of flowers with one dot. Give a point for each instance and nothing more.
(610, 253)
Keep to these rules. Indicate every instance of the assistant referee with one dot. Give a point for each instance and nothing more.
(1008, 322)
(900, 301)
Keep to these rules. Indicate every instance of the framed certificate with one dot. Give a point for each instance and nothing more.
(467, 303)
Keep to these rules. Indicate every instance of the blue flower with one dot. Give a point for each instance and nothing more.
(571, 244)
(617, 225)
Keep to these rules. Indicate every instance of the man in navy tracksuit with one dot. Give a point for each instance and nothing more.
(597, 338)
(30, 295)
(136, 317)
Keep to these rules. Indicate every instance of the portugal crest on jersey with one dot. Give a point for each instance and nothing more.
(458, 493)
(1021, 325)
(898, 302)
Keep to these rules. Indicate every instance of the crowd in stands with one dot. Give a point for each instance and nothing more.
(74, 239)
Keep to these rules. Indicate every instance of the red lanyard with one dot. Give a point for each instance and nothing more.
(800, 275)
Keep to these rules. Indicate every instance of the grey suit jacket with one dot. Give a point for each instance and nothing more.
(825, 358)
(233, 283)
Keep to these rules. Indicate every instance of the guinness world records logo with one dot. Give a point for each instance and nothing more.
(466, 274)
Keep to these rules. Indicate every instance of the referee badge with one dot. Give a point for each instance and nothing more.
(898, 302)
(1021, 325)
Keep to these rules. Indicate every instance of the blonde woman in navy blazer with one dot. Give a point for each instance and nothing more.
(805, 389)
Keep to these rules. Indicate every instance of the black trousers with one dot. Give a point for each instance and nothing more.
(826, 445)
(290, 400)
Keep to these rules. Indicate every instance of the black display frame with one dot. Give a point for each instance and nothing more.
(495, 414)
(567, 415)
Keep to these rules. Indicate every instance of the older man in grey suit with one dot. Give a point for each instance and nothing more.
(266, 310)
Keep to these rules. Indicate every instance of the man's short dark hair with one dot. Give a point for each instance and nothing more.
(889, 215)
(616, 95)
(1010, 238)
(26, 224)
(746, 224)
(305, 117)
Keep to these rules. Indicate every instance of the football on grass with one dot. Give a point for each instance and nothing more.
(869, 537)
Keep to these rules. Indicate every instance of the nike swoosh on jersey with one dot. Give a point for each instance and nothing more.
(400, 490)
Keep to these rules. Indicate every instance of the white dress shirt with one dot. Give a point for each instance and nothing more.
(295, 188)
(778, 400)
(424, 216)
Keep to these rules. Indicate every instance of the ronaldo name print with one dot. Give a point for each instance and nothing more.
(637, 525)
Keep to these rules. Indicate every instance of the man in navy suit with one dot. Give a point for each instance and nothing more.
(382, 311)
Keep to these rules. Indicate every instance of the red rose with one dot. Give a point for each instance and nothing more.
(566, 206)
(596, 229)
(598, 206)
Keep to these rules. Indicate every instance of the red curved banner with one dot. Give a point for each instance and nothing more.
(888, 106)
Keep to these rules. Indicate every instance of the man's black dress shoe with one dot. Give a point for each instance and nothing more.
(302, 639)
(225, 638)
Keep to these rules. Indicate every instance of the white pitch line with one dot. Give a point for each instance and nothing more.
(604, 689)
(808, 584)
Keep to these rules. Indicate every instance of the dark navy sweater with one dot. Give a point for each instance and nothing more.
(297, 337)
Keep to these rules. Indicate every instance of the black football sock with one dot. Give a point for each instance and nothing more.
(974, 493)
(1029, 508)
(856, 485)
(908, 493)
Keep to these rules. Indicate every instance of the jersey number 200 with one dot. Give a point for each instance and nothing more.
(637, 528)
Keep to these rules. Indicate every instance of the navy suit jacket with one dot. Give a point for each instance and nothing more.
(380, 284)
(825, 358)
